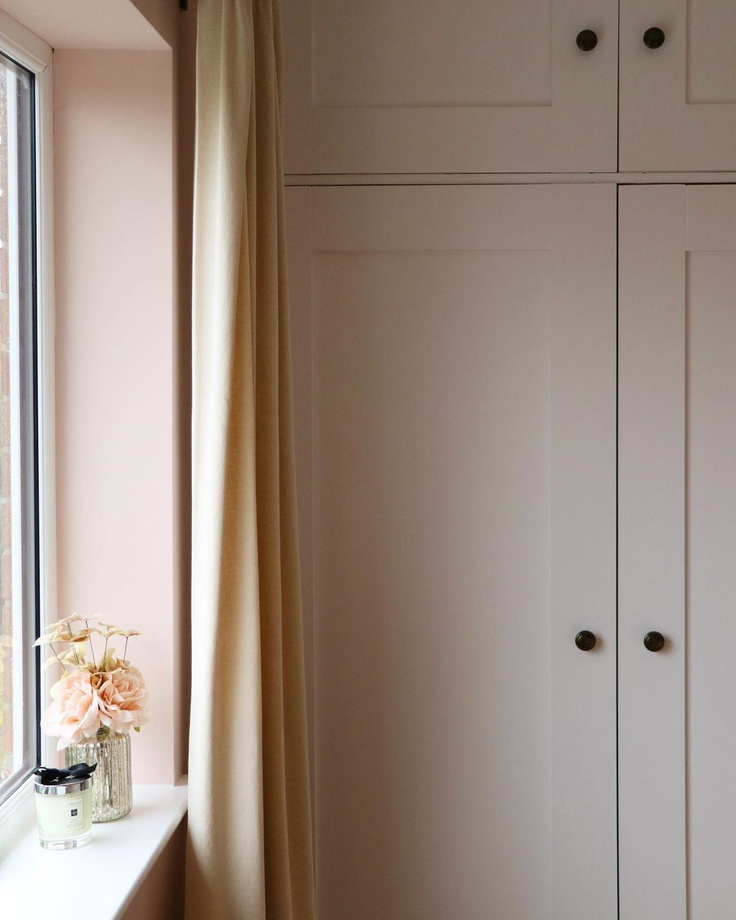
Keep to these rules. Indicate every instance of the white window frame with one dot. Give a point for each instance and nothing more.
(35, 55)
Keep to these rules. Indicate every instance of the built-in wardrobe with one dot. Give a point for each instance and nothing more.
(512, 266)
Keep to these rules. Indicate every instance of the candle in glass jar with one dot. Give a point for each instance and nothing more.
(64, 812)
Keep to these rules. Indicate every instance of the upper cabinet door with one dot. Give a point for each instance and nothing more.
(678, 98)
(426, 86)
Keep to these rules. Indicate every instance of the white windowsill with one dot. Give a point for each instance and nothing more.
(37, 883)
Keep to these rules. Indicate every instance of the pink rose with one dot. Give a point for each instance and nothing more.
(74, 713)
(122, 699)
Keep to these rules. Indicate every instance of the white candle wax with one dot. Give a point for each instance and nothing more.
(64, 815)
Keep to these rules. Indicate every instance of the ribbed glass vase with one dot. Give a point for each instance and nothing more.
(112, 785)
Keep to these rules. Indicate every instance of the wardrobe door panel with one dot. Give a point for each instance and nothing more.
(463, 534)
(712, 581)
(423, 86)
(678, 100)
(677, 550)
(652, 552)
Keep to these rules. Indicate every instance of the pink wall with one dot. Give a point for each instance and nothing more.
(163, 15)
(115, 422)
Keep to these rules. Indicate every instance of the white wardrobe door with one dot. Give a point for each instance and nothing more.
(652, 552)
(463, 534)
(678, 101)
(425, 86)
(676, 552)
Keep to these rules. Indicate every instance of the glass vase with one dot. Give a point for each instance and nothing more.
(112, 786)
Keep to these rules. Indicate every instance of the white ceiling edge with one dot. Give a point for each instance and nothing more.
(102, 25)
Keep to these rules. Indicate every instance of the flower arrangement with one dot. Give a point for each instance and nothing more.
(96, 695)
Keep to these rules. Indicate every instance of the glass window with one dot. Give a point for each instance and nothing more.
(19, 544)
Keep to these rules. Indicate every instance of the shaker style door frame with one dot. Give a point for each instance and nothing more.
(340, 117)
(677, 541)
(389, 359)
(678, 98)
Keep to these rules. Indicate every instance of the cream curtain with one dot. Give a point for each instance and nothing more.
(249, 852)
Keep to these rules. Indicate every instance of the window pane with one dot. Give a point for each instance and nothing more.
(17, 426)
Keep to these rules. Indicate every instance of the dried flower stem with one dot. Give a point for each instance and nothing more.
(71, 636)
(89, 639)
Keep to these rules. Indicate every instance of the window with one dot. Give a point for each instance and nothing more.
(23, 286)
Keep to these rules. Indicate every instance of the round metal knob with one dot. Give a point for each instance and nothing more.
(585, 640)
(654, 641)
(654, 38)
(586, 40)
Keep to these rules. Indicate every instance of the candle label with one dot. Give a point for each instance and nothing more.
(74, 813)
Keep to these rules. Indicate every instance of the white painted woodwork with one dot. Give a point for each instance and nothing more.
(298, 206)
(651, 552)
(678, 102)
(426, 86)
(711, 542)
(658, 178)
(463, 533)
(677, 505)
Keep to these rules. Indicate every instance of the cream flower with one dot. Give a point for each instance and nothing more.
(74, 713)
(123, 699)
(96, 692)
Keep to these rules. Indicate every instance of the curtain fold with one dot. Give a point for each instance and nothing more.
(249, 850)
